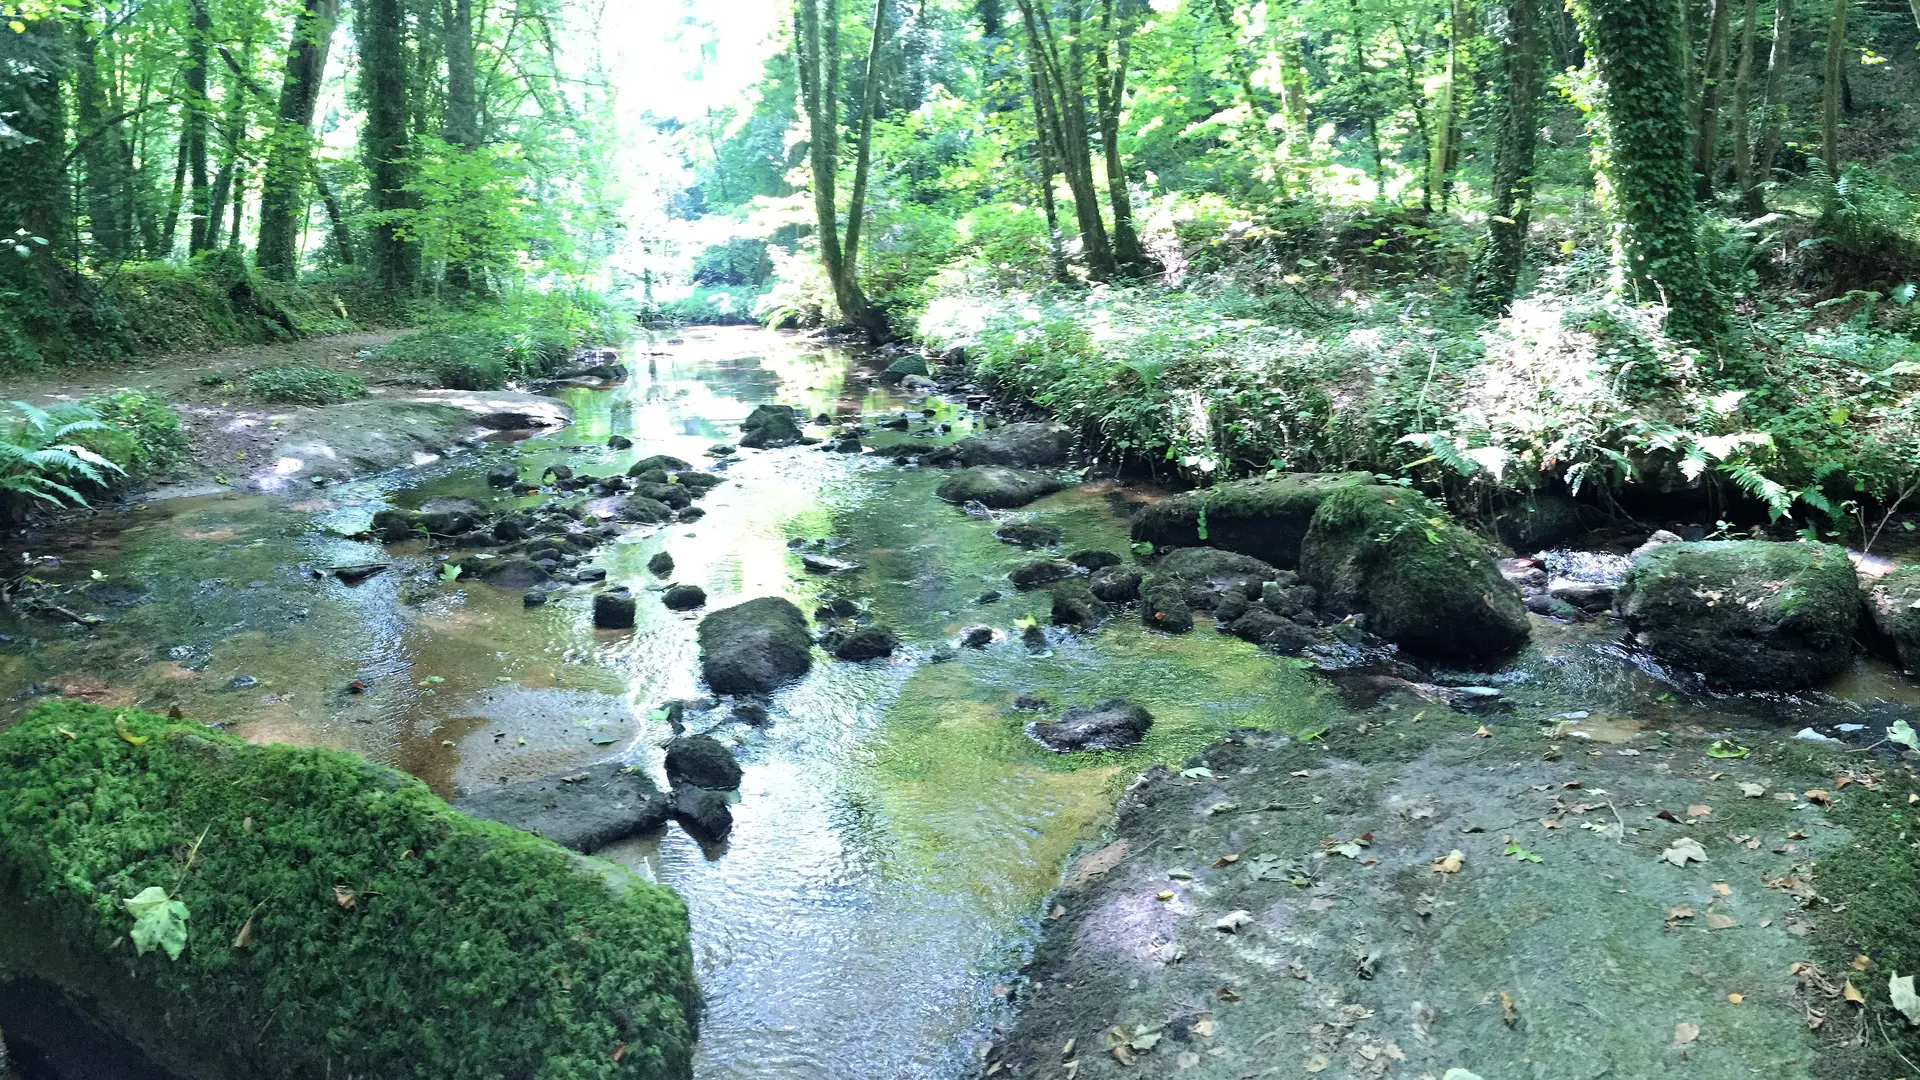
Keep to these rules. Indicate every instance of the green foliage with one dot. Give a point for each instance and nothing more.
(529, 336)
(141, 433)
(159, 922)
(42, 459)
(343, 917)
(305, 384)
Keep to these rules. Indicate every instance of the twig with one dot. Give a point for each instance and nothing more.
(191, 855)
(1622, 838)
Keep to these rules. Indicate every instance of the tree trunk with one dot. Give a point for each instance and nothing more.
(1061, 86)
(103, 155)
(167, 235)
(817, 43)
(239, 205)
(1742, 110)
(1293, 83)
(1641, 57)
(1706, 130)
(461, 128)
(1112, 91)
(380, 28)
(342, 239)
(1830, 99)
(233, 135)
(1773, 107)
(1496, 273)
(1440, 151)
(1243, 76)
(289, 153)
(195, 119)
(1043, 140)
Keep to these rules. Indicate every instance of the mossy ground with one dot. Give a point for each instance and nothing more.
(342, 921)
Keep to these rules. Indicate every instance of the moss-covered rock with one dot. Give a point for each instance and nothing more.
(1024, 446)
(996, 486)
(1163, 605)
(867, 643)
(754, 647)
(702, 761)
(684, 597)
(905, 366)
(1747, 614)
(1264, 518)
(1893, 603)
(769, 426)
(1116, 584)
(340, 919)
(1419, 578)
(1114, 724)
(645, 511)
(1075, 605)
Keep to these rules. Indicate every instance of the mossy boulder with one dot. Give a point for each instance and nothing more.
(645, 511)
(684, 597)
(1039, 572)
(1116, 584)
(867, 643)
(1264, 518)
(1893, 602)
(340, 919)
(1746, 614)
(1024, 446)
(769, 426)
(1420, 579)
(905, 366)
(1075, 605)
(1114, 724)
(754, 647)
(997, 487)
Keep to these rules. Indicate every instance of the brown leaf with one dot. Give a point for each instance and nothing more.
(1717, 921)
(1677, 913)
(1862, 962)
(1122, 1054)
(1699, 810)
(245, 937)
(1227, 993)
(1226, 860)
(1508, 1014)
(1852, 993)
(1735, 999)
(1451, 863)
(1723, 888)
(1483, 732)
(1667, 815)
(345, 896)
(1057, 912)
(1685, 1033)
(1819, 797)
(620, 1051)
(1549, 822)
(1203, 1027)
(1318, 1063)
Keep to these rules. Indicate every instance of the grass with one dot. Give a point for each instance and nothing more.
(304, 384)
(524, 337)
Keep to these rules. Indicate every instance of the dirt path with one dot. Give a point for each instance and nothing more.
(1421, 894)
(178, 378)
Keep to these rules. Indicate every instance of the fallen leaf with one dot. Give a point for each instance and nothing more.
(1226, 860)
(1735, 999)
(1057, 912)
(345, 896)
(1227, 993)
(1699, 810)
(1753, 791)
(1165, 894)
(1549, 822)
(1515, 851)
(1508, 1014)
(1685, 1033)
(1451, 863)
(1203, 1027)
(1723, 888)
(1819, 797)
(1676, 913)
(1067, 1050)
(619, 1052)
(1862, 962)
(1628, 752)
(1321, 903)
(1900, 989)
(1222, 808)
(1483, 732)
(1683, 849)
(1717, 921)
(1318, 1063)
(1852, 993)
(245, 937)
(1232, 921)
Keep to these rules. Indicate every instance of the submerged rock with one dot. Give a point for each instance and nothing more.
(1266, 519)
(1163, 605)
(1093, 559)
(1041, 571)
(868, 643)
(702, 761)
(1029, 535)
(1114, 724)
(1746, 614)
(507, 573)
(997, 487)
(583, 809)
(754, 647)
(1026, 446)
(1421, 580)
(770, 426)
(661, 565)
(706, 814)
(684, 597)
(614, 610)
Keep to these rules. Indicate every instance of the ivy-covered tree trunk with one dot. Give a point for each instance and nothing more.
(290, 153)
(1773, 108)
(1742, 104)
(109, 215)
(380, 27)
(194, 121)
(1641, 57)
(1496, 274)
(461, 127)
(1836, 74)
(1706, 117)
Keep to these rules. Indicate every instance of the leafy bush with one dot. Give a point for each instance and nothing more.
(42, 458)
(141, 434)
(333, 916)
(531, 335)
(305, 384)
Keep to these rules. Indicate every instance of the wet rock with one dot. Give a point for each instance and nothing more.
(509, 530)
(976, 637)
(560, 473)
(506, 573)
(1075, 605)
(754, 647)
(824, 564)
(991, 596)
(662, 463)
(1163, 605)
(649, 476)
(868, 643)
(129, 593)
(1893, 604)
(1429, 585)
(645, 511)
(1288, 600)
(770, 426)
(698, 482)
(838, 607)
(903, 367)
(718, 450)
(614, 610)
(684, 597)
(1585, 595)
(848, 445)
(1226, 608)
(1114, 724)
(1746, 614)
(1116, 584)
(691, 513)
(1263, 627)
(619, 442)
(583, 809)
(394, 526)
(1041, 572)
(702, 761)
(661, 565)
(750, 712)
(896, 423)
(997, 487)
(242, 682)
(707, 815)
(1027, 701)
(1660, 538)
(503, 476)
(1093, 559)
(677, 496)
(1028, 535)
(1266, 519)
(1210, 574)
(1026, 446)
(537, 596)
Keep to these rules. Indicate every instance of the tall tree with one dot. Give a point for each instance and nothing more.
(1496, 273)
(1441, 154)
(289, 151)
(1059, 77)
(102, 153)
(1110, 82)
(1706, 113)
(1742, 108)
(380, 28)
(461, 126)
(1836, 72)
(1773, 107)
(1640, 53)
(817, 52)
(194, 122)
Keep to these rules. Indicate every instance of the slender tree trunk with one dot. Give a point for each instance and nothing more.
(1830, 99)
(1496, 273)
(1742, 109)
(1641, 56)
(195, 119)
(167, 235)
(1773, 106)
(1112, 90)
(1043, 140)
(239, 205)
(234, 136)
(1293, 83)
(1422, 122)
(1237, 61)
(102, 154)
(1441, 150)
(1706, 134)
(342, 239)
(289, 153)
(381, 29)
(462, 124)
(1061, 86)
(817, 40)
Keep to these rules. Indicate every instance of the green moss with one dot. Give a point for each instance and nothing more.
(305, 384)
(1265, 518)
(389, 936)
(1421, 579)
(1877, 878)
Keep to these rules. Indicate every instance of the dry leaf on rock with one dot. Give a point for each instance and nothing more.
(1318, 1063)
(1852, 993)
(1900, 989)
(1451, 863)
(1232, 921)
(1723, 888)
(1684, 849)
(1717, 921)
(1699, 810)
(1753, 791)
(1685, 1033)
(1677, 913)
(1735, 999)
(1862, 962)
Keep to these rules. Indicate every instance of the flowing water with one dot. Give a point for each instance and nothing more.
(896, 831)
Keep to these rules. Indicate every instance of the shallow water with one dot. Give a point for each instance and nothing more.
(897, 830)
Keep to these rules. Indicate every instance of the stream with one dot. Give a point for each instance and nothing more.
(897, 831)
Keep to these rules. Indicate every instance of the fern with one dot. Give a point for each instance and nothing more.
(39, 460)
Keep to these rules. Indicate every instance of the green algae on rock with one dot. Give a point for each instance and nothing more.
(1747, 614)
(1422, 581)
(999, 487)
(342, 919)
(1264, 518)
(1893, 603)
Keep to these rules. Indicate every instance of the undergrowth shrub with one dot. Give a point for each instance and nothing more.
(44, 459)
(304, 384)
(141, 433)
(528, 336)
